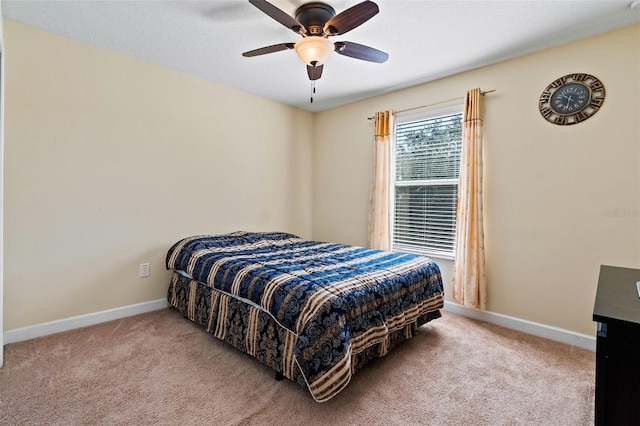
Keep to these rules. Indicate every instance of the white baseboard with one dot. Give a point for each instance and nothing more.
(39, 330)
(548, 332)
(536, 329)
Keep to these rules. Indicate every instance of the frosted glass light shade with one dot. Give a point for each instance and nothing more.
(314, 49)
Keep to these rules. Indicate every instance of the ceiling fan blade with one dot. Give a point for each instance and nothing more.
(351, 18)
(360, 51)
(314, 72)
(268, 49)
(279, 15)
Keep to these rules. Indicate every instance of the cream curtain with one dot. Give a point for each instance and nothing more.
(379, 205)
(469, 282)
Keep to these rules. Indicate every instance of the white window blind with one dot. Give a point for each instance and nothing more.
(427, 168)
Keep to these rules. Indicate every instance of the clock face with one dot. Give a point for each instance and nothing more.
(571, 99)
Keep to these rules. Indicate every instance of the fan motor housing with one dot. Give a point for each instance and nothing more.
(314, 15)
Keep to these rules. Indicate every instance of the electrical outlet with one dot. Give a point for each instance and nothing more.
(144, 270)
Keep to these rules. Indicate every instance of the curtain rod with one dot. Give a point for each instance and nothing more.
(436, 103)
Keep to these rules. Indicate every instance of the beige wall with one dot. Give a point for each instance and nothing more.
(560, 200)
(109, 160)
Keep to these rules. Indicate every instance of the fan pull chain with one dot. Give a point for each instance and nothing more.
(313, 89)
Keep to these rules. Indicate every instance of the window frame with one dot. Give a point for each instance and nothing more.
(410, 118)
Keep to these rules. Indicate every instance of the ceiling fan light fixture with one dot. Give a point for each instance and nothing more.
(314, 50)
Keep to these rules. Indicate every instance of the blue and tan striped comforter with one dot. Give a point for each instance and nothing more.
(335, 300)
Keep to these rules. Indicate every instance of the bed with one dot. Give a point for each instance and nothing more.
(315, 312)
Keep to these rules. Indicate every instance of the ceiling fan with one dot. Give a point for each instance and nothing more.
(315, 22)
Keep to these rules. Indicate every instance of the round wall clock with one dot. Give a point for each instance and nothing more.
(571, 99)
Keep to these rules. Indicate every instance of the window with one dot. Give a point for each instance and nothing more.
(425, 182)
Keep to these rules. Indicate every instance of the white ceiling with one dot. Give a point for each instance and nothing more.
(425, 39)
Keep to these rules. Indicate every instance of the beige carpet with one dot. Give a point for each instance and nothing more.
(158, 368)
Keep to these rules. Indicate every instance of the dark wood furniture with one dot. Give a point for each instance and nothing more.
(617, 311)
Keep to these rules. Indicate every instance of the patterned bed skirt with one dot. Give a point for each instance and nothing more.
(255, 332)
